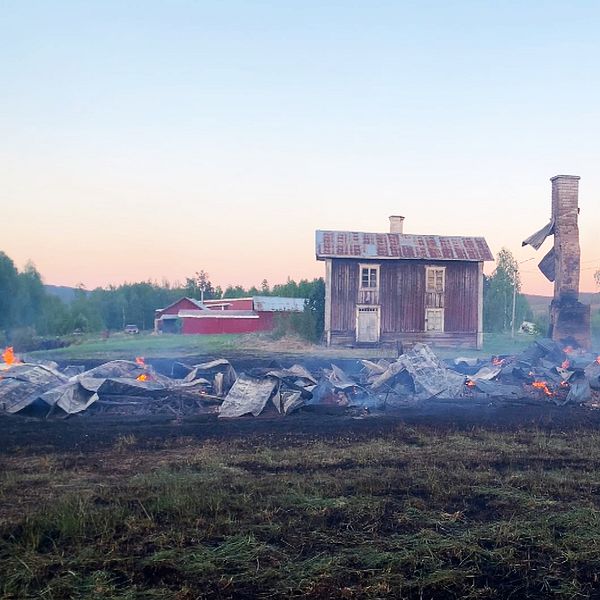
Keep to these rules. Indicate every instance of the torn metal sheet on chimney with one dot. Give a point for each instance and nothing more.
(548, 265)
(539, 237)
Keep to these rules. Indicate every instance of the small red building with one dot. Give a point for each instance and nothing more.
(229, 315)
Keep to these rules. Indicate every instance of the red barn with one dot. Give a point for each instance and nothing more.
(229, 315)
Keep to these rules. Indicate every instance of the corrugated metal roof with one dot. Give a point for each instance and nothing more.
(278, 304)
(356, 244)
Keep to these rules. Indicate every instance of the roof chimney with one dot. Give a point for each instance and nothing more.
(396, 224)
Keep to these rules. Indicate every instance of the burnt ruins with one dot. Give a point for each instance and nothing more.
(569, 319)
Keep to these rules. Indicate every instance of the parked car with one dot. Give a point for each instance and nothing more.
(528, 327)
(132, 329)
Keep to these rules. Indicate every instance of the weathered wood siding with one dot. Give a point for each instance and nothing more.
(402, 298)
(344, 294)
(462, 290)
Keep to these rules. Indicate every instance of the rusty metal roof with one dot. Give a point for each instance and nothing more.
(356, 244)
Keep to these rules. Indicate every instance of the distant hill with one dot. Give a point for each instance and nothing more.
(66, 294)
(539, 304)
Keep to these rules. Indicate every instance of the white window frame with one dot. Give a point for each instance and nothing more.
(434, 291)
(370, 266)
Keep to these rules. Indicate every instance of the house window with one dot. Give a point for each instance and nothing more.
(435, 280)
(369, 277)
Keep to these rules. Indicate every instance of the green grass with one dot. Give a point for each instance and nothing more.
(413, 513)
(174, 346)
(144, 344)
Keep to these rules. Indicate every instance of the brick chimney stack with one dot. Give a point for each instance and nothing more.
(569, 319)
(565, 211)
(396, 224)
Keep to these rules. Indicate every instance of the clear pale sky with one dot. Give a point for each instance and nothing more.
(154, 139)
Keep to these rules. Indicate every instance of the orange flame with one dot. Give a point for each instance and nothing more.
(142, 377)
(542, 385)
(470, 383)
(8, 356)
(566, 364)
(569, 350)
(598, 360)
(497, 362)
(140, 361)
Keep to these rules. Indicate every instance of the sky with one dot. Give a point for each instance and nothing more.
(152, 139)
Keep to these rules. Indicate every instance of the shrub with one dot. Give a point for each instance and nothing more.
(303, 324)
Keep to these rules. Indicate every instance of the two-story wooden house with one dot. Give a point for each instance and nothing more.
(382, 288)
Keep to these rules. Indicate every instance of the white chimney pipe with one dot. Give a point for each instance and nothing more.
(396, 224)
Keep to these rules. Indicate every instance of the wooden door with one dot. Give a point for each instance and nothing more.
(367, 324)
(434, 319)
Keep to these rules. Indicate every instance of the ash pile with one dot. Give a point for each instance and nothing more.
(544, 372)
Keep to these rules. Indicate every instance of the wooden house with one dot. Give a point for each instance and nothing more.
(384, 288)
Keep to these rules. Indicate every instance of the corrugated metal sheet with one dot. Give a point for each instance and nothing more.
(539, 237)
(278, 304)
(375, 246)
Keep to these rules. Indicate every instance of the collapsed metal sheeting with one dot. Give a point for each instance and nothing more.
(77, 396)
(114, 385)
(219, 372)
(429, 377)
(543, 372)
(23, 384)
(247, 396)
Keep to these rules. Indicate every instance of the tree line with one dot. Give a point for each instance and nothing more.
(25, 304)
(28, 309)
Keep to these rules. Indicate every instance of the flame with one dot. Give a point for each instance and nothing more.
(8, 356)
(569, 350)
(497, 362)
(566, 364)
(542, 385)
(564, 384)
(143, 377)
(470, 383)
(140, 361)
(598, 360)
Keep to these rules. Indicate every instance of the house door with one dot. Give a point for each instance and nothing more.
(367, 324)
(435, 287)
(434, 319)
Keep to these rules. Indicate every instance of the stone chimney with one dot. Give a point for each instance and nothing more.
(396, 224)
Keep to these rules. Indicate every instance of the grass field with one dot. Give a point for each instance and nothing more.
(180, 346)
(411, 512)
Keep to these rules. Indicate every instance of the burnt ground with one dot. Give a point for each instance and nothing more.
(88, 433)
(440, 500)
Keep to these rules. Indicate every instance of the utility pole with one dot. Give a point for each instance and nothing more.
(514, 300)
